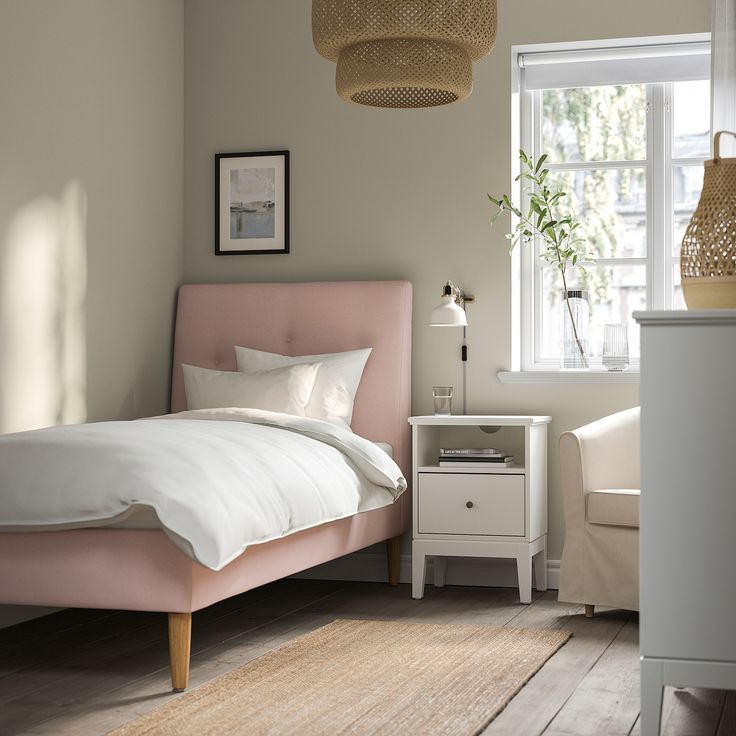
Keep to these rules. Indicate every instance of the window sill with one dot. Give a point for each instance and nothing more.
(592, 376)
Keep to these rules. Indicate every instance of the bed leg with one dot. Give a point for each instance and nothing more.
(180, 639)
(393, 554)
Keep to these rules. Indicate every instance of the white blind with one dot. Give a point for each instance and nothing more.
(723, 89)
(620, 65)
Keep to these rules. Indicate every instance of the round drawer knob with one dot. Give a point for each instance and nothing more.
(469, 504)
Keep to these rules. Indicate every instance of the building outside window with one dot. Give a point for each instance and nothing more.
(626, 129)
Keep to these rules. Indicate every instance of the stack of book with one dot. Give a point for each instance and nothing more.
(473, 457)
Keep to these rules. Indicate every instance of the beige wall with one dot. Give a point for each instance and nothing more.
(91, 208)
(91, 175)
(91, 137)
(390, 194)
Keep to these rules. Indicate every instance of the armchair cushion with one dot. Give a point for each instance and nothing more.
(613, 506)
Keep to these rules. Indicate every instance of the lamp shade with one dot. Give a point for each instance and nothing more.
(399, 54)
(448, 314)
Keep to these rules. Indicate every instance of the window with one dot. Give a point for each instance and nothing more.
(626, 129)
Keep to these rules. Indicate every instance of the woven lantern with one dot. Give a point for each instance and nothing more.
(404, 53)
(708, 254)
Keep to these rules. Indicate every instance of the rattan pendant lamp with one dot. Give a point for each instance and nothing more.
(404, 53)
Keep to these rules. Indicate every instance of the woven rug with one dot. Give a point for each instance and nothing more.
(364, 678)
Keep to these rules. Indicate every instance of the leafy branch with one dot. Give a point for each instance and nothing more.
(558, 230)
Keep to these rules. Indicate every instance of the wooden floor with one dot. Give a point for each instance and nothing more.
(87, 672)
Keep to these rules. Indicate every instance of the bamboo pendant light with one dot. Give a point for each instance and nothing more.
(404, 53)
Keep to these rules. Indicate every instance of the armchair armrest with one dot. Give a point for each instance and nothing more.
(608, 454)
(573, 489)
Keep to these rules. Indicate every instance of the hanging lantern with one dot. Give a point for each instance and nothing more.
(404, 53)
(708, 253)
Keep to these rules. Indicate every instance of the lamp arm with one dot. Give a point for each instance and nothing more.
(461, 298)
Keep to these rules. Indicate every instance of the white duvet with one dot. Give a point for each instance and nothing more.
(219, 480)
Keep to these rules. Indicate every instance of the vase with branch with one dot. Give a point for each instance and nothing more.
(550, 220)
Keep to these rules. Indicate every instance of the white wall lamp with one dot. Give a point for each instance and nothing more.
(451, 313)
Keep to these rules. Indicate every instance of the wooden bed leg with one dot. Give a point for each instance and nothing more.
(180, 640)
(589, 610)
(393, 554)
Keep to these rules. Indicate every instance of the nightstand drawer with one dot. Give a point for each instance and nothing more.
(453, 503)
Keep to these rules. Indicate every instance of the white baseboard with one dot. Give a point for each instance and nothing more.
(370, 567)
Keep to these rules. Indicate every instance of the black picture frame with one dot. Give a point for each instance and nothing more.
(260, 224)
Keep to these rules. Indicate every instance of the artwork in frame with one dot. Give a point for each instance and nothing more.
(251, 203)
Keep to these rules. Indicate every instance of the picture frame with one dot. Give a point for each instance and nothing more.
(251, 203)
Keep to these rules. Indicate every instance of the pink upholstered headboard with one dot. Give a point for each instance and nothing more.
(302, 319)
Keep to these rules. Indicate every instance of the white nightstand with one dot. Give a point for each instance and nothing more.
(479, 512)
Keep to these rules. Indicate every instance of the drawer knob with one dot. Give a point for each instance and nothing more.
(469, 504)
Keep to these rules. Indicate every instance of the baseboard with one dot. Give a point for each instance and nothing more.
(370, 567)
(11, 615)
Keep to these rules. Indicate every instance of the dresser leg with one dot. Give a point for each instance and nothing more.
(540, 569)
(418, 571)
(440, 569)
(652, 691)
(524, 570)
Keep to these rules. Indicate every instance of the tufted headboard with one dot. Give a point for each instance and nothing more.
(303, 319)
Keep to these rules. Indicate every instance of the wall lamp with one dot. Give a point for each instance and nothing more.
(450, 312)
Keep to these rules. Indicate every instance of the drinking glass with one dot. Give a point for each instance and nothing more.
(442, 400)
(616, 346)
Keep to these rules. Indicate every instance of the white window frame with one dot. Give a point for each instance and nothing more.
(659, 167)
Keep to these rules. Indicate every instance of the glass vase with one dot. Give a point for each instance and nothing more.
(574, 318)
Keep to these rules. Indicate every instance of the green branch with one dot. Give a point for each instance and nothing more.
(546, 220)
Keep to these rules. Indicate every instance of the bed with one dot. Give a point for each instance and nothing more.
(141, 569)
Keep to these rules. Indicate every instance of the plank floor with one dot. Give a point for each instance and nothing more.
(86, 672)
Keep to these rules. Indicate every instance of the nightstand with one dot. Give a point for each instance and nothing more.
(480, 512)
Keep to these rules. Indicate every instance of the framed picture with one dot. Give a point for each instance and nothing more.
(251, 203)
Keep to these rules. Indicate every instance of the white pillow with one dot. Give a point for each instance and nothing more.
(286, 390)
(336, 385)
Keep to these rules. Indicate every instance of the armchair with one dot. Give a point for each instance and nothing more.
(599, 465)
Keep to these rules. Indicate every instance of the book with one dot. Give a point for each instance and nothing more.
(498, 456)
(448, 451)
(464, 460)
(476, 464)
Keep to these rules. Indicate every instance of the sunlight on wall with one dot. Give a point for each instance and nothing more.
(43, 284)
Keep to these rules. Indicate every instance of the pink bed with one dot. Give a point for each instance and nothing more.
(142, 569)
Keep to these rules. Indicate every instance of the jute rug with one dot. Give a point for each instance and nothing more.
(364, 678)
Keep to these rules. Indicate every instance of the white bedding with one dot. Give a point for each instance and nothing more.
(218, 480)
(144, 517)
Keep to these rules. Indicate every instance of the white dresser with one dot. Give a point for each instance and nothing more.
(688, 504)
(490, 511)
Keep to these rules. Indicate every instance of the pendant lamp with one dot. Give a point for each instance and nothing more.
(404, 53)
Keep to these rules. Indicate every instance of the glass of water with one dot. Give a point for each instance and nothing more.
(442, 400)
(616, 347)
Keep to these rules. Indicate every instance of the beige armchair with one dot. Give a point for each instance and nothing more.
(599, 464)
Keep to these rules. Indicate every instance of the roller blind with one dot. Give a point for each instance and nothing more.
(621, 65)
(723, 92)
